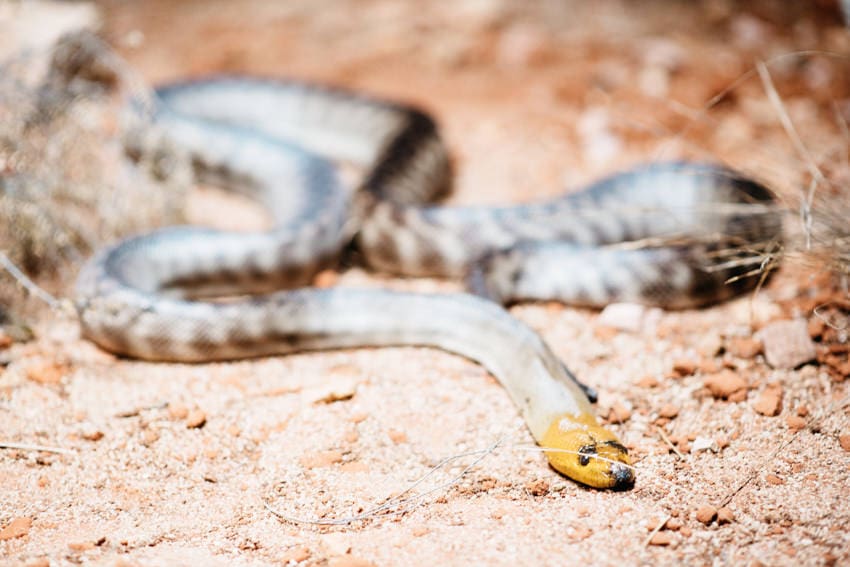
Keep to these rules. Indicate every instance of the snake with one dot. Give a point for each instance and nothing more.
(660, 233)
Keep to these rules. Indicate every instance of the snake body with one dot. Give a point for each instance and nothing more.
(276, 142)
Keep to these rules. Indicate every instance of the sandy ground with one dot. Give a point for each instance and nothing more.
(166, 464)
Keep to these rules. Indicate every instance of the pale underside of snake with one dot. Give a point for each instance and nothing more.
(278, 142)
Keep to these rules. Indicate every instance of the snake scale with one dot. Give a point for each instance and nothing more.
(148, 297)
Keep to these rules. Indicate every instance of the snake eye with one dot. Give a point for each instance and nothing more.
(585, 453)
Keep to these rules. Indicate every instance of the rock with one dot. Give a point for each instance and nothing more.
(744, 347)
(18, 527)
(795, 422)
(704, 444)
(726, 385)
(622, 316)
(669, 411)
(725, 516)
(684, 367)
(706, 514)
(844, 441)
(539, 487)
(770, 401)
(787, 344)
(661, 538)
(619, 413)
(774, 480)
(196, 419)
(320, 459)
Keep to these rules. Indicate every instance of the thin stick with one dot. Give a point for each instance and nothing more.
(399, 500)
(669, 443)
(42, 448)
(788, 125)
(657, 529)
(27, 283)
(756, 470)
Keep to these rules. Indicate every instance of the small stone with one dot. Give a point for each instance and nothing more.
(795, 422)
(706, 514)
(802, 411)
(539, 487)
(725, 516)
(397, 436)
(648, 382)
(674, 524)
(685, 531)
(744, 347)
(669, 411)
(177, 410)
(420, 531)
(580, 533)
(774, 480)
(81, 545)
(844, 441)
(149, 437)
(295, 555)
(90, 434)
(622, 316)
(619, 413)
(320, 459)
(47, 372)
(725, 384)
(705, 444)
(787, 344)
(770, 401)
(18, 527)
(661, 538)
(710, 345)
(196, 419)
(684, 367)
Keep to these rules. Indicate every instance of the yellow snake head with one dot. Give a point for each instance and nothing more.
(588, 453)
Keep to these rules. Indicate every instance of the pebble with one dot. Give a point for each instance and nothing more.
(684, 367)
(539, 487)
(320, 459)
(622, 316)
(706, 514)
(787, 344)
(844, 441)
(725, 516)
(47, 372)
(744, 347)
(648, 382)
(177, 410)
(774, 480)
(661, 538)
(669, 411)
(619, 413)
(705, 444)
(196, 419)
(770, 400)
(795, 422)
(726, 385)
(18, 527)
